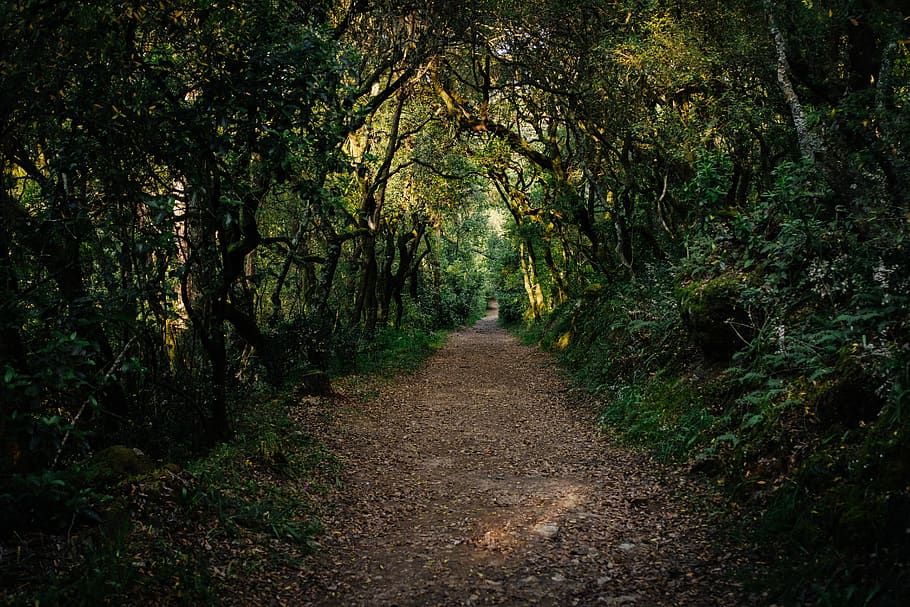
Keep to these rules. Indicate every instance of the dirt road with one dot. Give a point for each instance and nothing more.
(476, 481)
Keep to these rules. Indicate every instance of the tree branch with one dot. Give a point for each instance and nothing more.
(469, 120)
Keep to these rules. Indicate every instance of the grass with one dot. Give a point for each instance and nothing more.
(398, 350)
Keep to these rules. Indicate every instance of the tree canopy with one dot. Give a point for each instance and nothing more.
(202, 197)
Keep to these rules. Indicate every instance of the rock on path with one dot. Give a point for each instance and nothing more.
(475, 482)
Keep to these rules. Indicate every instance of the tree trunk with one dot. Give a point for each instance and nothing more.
(531, 283)
(562, 290)
(408, 263)
(373, 193)
(365, 302)
(387, 279)
(808, 143)
(12, 350)
(204, 293)
(275, 299)
(317, 346)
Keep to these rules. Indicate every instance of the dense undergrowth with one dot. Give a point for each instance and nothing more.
(122, 528)
(798, 418)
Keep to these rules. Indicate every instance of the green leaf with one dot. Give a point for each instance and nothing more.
(728, 437)
(752, 420)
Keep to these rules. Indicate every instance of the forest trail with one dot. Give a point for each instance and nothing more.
(476, 482)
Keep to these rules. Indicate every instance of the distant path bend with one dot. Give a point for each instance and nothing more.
(474, 482)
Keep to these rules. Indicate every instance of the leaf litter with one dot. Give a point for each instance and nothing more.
(482, 479)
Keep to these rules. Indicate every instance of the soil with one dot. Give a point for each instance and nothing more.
(480, 480)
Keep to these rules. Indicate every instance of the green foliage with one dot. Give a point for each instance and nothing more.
(816, 383)
(52, 501)
(460, 301)
(398, 350)
(196, 197)
(637, 367)
(158, 529)
(505, 270)
(805, 422)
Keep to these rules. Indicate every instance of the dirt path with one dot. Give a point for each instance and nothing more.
(475, 482)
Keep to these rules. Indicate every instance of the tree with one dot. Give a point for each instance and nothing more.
(207, 109)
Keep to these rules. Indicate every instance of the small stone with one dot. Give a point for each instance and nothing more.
(625, 599)
(626, 547)
(547, 531)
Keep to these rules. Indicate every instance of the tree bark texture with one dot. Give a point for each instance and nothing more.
(808, 143)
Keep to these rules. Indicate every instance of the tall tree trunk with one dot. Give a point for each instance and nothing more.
(808, 143)
(386, 278)
(12, 350)
(204, 294)
(435, 274)
(562, 290)
(63, 260)
(365, 301)
(275, 314)
(373, 193)
(408, 264)
(320, 317)
(532, 284)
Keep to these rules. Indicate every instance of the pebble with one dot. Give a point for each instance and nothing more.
(547, 531)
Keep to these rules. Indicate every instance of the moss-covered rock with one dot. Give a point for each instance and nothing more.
(713, 315)
(114, 464)
(314, 383)
(848, 398)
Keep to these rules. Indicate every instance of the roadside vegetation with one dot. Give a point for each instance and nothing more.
(774, 366)
(702, 205)
(123, 527)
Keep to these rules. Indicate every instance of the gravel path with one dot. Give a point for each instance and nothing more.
(476, 481)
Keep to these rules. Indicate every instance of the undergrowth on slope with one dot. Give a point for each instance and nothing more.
(811, 455)
(398, 350)
(187, 534)
(180, 534)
